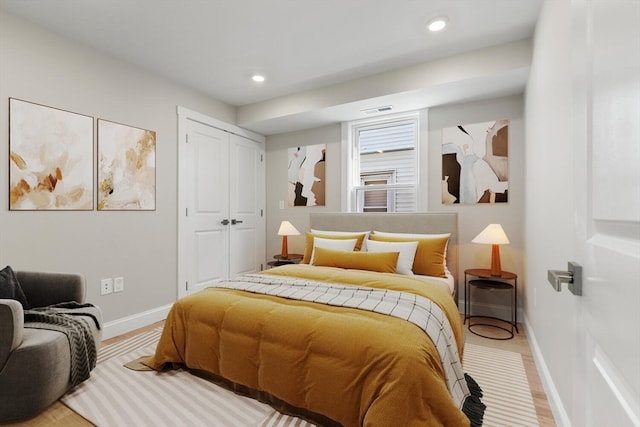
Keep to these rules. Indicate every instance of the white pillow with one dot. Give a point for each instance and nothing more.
(335, 244)
(407, 252)
(344, 233)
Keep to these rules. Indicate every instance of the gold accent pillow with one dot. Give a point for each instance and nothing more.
(382, 262)
(430, 255)
(308, 248)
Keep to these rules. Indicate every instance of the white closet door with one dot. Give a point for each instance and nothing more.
(247, 189)
(207, 235)
(221, 224)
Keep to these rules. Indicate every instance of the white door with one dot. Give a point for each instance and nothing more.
(221, 224)
(247, 197)
(607, 106)
(207, 205)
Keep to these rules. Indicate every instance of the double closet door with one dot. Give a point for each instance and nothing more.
(223, 229)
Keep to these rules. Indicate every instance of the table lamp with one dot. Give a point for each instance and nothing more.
(286, 229)
(493, 235)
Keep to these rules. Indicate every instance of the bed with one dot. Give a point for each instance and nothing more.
(336, 346)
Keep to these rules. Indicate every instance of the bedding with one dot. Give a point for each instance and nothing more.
(342, 233)
(382, 262)
(331, 241)
(406, 253)
(284, 337)
(447, 282)
(430, 255)
(418, 224)
(414, 236)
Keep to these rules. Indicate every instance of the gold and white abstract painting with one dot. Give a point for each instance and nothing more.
(126, 167)
(50, 158)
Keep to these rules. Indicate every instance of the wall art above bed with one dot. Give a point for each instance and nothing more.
(475, 163)
(50, 158)
(306, 175)
(126, 167)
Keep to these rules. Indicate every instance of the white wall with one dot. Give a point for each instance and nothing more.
(549, 197)
(277, 147)
(39, 66)
(472, 218)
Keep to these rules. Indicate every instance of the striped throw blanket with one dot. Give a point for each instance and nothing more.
(69, 318)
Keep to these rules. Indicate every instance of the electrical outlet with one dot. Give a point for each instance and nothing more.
(118, 284)
(106, 286)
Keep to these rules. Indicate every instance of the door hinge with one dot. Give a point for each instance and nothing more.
(186, 285)
(261, 212)
(261, 157)
(186, 211)
(186, 138)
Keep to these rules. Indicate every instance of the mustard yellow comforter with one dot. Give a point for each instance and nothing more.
(355, 367)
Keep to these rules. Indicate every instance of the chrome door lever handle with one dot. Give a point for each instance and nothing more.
(224, 222)
(235, 221)
(573, 277)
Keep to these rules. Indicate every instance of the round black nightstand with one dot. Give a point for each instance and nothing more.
(507, 281)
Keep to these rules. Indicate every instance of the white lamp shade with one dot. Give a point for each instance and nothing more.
(286, 229)
(493, 234)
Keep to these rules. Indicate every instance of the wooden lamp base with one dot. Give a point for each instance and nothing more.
(496, 270)
(285, 250)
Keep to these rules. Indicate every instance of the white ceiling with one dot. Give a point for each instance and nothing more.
(214, 46)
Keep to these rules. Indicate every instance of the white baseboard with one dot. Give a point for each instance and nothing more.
(129, 323)
(557, 408)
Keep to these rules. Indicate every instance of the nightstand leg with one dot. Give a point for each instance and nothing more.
(466, 299)
(515, 304)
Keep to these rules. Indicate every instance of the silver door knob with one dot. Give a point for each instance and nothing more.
(572, 277)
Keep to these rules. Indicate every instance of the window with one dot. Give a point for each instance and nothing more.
(373, 199)
(383, 171)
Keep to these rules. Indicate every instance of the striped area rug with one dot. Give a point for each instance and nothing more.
(118, 396)
(505, 386)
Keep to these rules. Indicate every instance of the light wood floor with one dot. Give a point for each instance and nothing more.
(58, 415)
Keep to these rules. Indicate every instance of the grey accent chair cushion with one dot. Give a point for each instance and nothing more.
(35, 364)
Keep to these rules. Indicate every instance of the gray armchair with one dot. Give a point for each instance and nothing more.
(35, 364)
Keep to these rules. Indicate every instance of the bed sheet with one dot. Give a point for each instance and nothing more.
(446, 282)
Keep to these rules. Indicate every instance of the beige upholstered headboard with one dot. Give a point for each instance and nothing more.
(428, 222)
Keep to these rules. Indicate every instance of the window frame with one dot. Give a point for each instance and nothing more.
(351, 156)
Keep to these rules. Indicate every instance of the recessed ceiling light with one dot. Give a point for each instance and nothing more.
(259, 78)
(437, 24)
